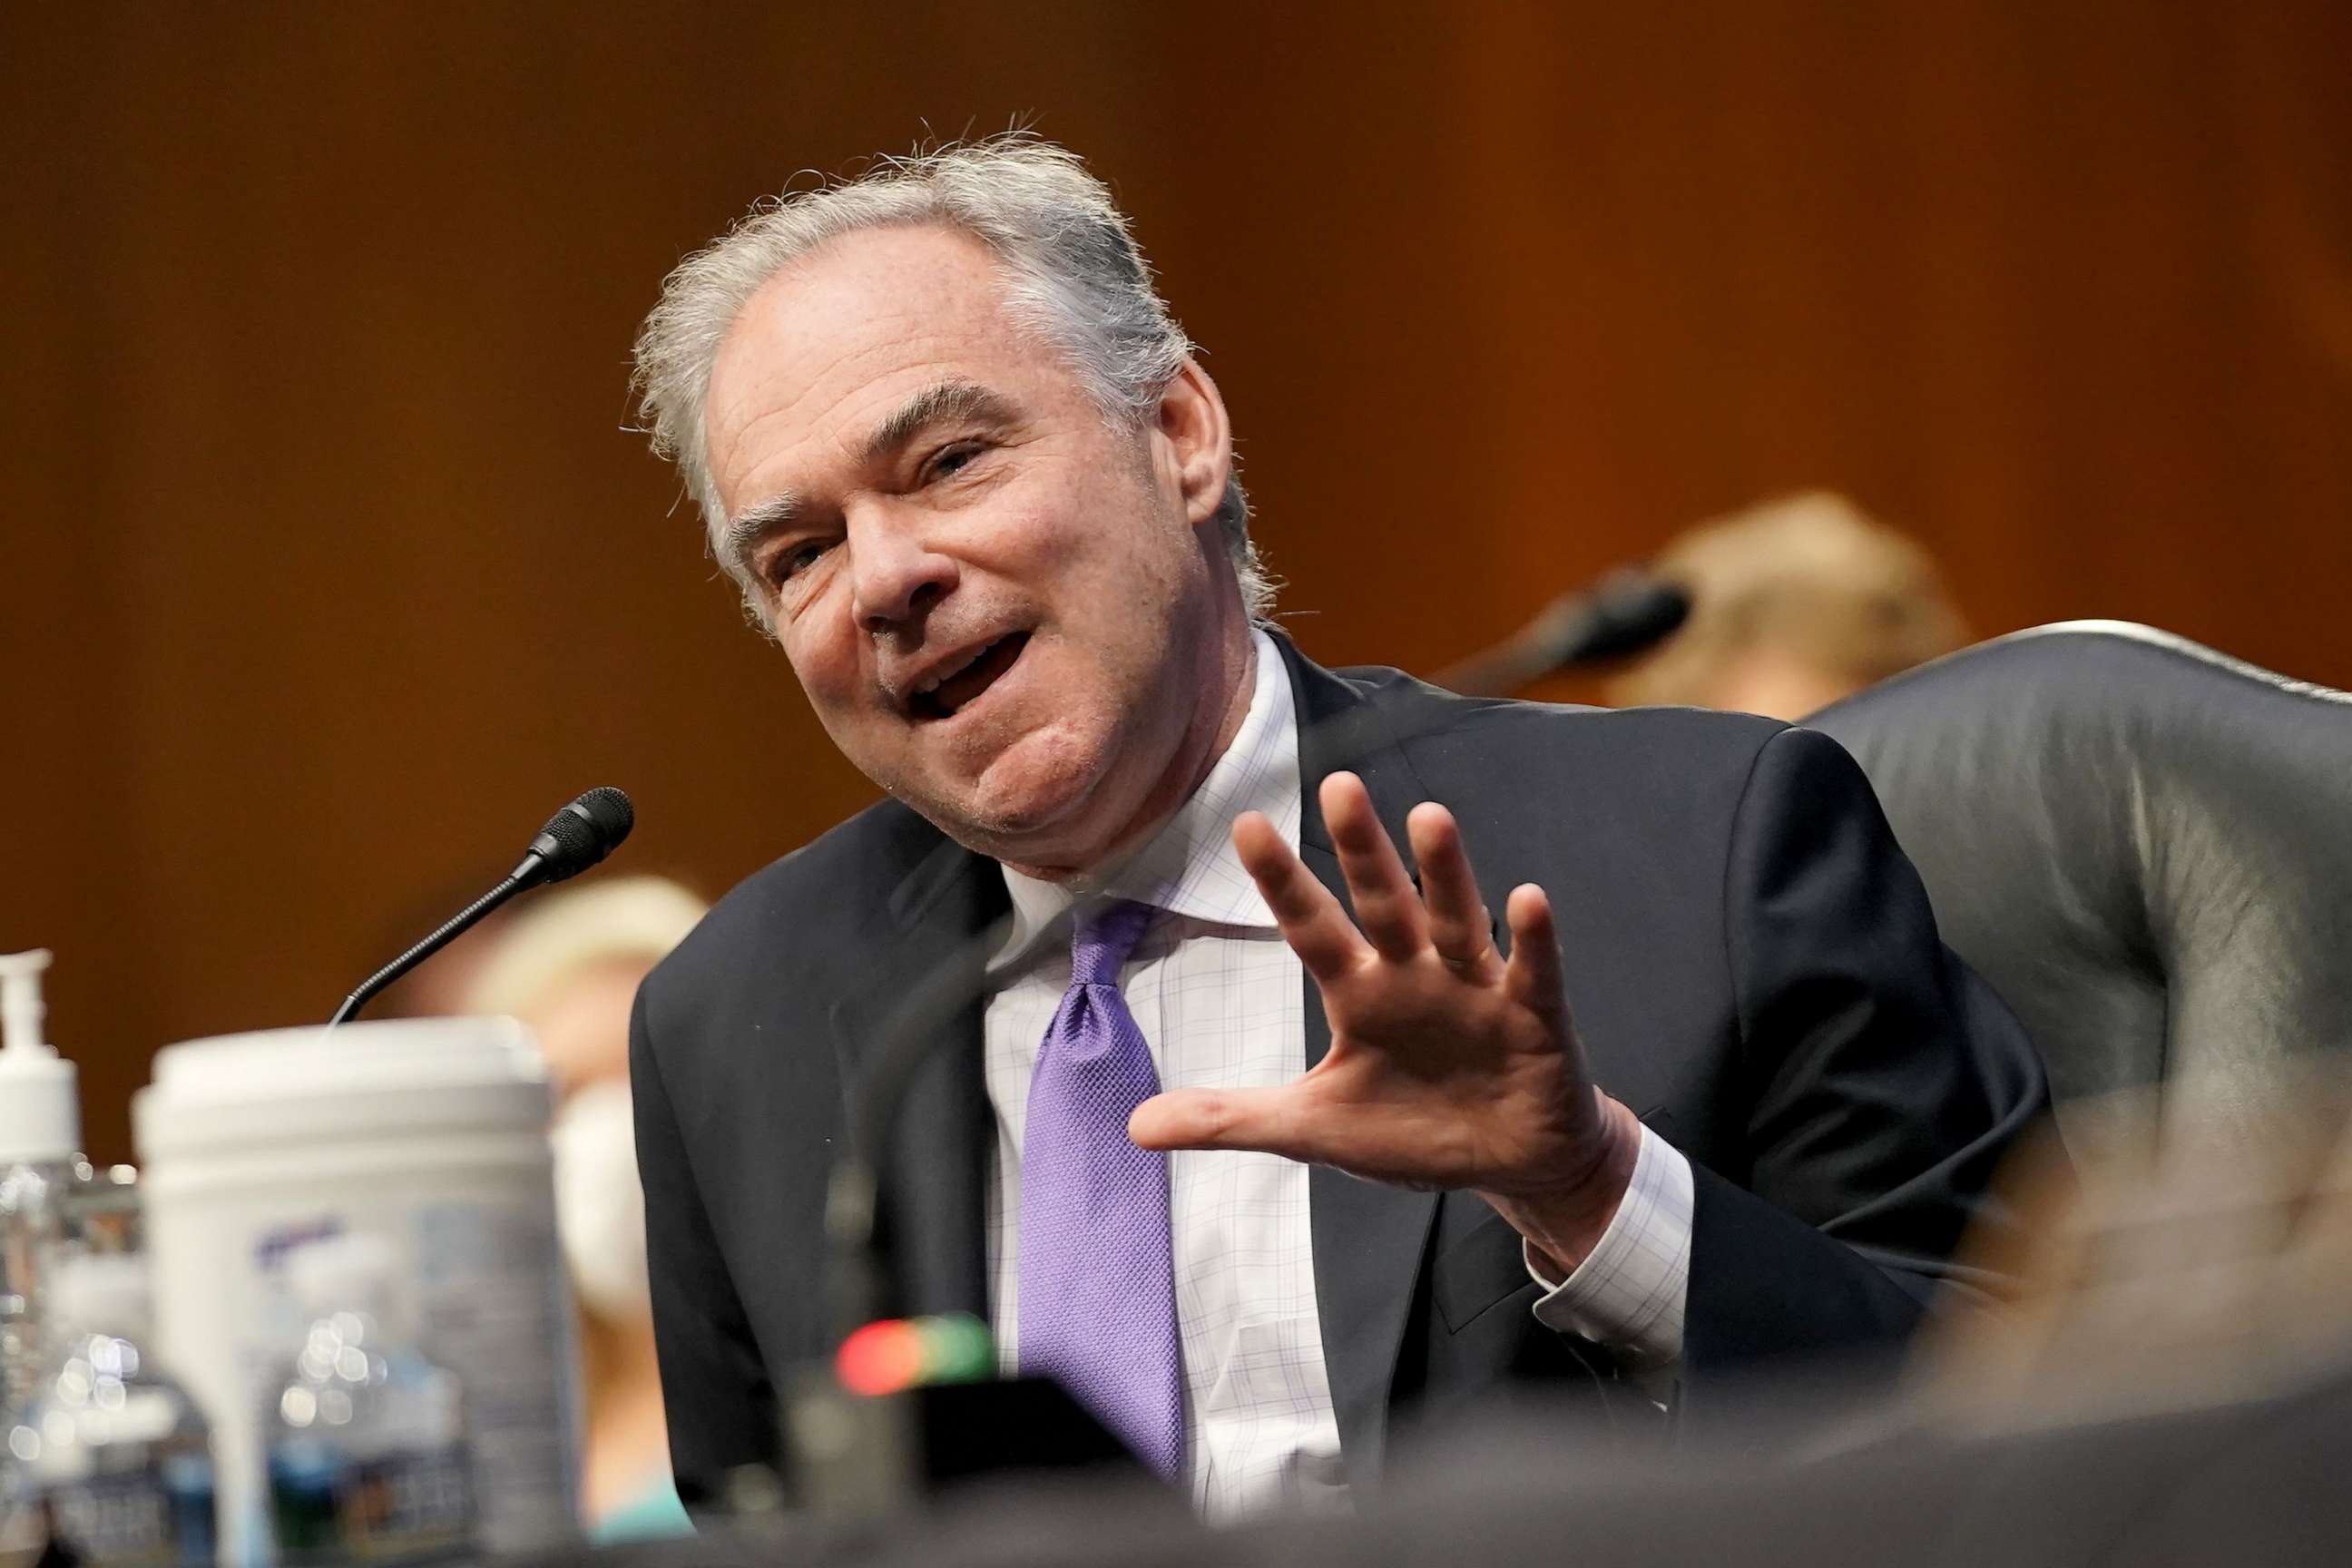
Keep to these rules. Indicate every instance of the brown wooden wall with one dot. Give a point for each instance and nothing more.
(329, 568)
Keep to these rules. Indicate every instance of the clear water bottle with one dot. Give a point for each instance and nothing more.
(32, 1235)
(365, 1437)
(111, 1457)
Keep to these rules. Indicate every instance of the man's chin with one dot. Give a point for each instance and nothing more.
(1030, 805)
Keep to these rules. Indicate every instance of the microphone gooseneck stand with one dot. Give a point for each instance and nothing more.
(576, 838)
(450, 930)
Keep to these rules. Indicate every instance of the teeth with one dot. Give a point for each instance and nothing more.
(926, 687)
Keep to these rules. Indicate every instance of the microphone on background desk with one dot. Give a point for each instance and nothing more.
(1624, 612)
(575, 838)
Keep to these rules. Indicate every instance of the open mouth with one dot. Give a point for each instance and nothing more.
(948, 694)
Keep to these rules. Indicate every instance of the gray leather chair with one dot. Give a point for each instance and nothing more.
(2145, 846)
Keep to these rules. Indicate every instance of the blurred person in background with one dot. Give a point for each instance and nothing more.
(1794, 603)
(568, 967)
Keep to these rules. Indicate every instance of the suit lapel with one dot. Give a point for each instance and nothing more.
(928, 974)
(1368, 1239)
(926, 979)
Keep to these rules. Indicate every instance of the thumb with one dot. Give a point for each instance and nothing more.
(1259, 1118)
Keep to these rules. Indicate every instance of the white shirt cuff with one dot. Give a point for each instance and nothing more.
(1629, 1294)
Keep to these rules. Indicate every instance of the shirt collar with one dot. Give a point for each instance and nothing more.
(1189, 867)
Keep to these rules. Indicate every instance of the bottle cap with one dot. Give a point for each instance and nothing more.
(40, 1111)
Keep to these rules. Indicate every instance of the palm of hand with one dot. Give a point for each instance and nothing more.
(1441, 1081)
(1450, 1067)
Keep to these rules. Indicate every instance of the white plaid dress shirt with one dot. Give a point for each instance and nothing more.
(1220, 998)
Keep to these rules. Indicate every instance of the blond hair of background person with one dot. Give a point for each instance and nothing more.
(1794, 604)
(569, 966)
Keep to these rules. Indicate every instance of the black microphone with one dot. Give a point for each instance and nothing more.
(1624, 612)
(578, 836)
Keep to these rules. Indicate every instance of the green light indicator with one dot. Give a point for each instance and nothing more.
(957, 1348)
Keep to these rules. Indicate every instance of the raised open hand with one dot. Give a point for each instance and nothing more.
(1450, 1065)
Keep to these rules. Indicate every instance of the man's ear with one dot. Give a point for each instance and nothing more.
(1200, 440)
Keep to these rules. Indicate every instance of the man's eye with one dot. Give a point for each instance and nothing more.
(952, 460)
(792, 561)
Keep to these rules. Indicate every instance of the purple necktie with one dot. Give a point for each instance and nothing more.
(1097, 1301)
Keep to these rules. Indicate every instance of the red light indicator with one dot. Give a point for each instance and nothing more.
(880, 1358)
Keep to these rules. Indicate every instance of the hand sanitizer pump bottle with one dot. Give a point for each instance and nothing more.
(40, 1139)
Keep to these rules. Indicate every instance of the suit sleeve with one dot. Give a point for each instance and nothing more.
(715, 1389)
(1883, 1081)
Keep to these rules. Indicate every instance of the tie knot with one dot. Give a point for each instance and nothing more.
(1105, 937)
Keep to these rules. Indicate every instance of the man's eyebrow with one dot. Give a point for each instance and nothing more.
(755, 522)
(935, 405)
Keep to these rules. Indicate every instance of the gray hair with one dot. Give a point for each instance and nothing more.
(1073, 277)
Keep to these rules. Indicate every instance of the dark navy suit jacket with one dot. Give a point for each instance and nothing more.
(1750, 962)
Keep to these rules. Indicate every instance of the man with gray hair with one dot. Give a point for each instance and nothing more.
(1249, 1123)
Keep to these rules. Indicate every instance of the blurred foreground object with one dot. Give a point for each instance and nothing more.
(2171, 1384)
(2206, 1267)
(112, 1462)
(569, 967)
(2146, 846)
(430, 1133)
(360, 1415)
(40, 1142)
(2257, 1482)
(1794, 604)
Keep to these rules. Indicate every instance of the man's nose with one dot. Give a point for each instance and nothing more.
(895, 575)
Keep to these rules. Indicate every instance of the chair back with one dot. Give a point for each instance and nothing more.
(2146, 846)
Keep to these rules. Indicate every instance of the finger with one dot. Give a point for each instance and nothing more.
(1317, 930)
(1459, 927)
(1388, 906)
(1273, 1120)
(1533, 977)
